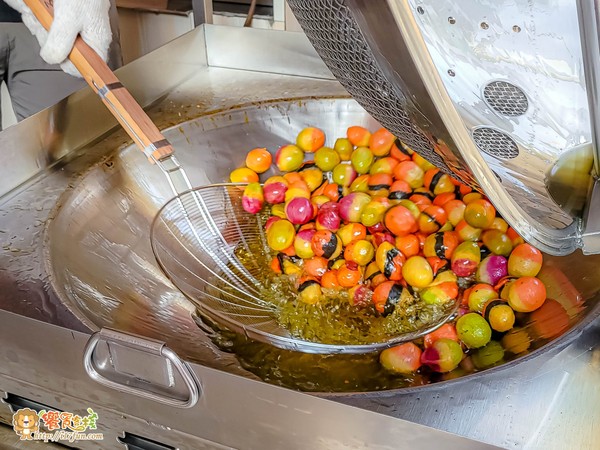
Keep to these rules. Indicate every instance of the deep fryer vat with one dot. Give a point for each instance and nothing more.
(102, 266)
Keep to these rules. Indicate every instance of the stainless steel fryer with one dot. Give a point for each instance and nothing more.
(69, 162)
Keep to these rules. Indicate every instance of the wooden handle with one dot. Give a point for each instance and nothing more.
(104, 82)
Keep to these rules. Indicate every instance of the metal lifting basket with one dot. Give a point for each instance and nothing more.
(494, 92)
(200, 239)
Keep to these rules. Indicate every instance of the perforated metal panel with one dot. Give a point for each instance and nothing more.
(495, 143)
(432, 71)
(505, 98)
(335, 35)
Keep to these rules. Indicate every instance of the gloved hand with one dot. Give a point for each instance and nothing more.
(71, 17)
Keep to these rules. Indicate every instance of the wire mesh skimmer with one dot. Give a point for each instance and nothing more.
(199, 235)
(217, 255)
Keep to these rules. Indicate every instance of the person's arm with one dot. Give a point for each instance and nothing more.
(88, 18)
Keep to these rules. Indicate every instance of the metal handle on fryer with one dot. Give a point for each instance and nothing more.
(150, 346)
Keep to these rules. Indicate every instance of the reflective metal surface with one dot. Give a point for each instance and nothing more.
(203, 11)
(112, 268)
(431, 72)
(588, 15)
(482, 47)
(232, 413)
(589, 23)
(147, 306)
(122, 356)
(545, 400)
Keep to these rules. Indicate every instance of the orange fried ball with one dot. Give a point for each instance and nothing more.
(526, 294)
(243, 175)
(310, 139)
(358, 136)
(386, 296)
(347, 276)
(259, 160)
(400, 220)
(381, 142)
(326, 244)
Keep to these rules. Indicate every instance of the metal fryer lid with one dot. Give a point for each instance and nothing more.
(491, 91)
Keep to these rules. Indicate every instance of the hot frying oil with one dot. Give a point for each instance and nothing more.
(333, 320)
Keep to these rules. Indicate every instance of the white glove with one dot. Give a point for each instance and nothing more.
(71, 17)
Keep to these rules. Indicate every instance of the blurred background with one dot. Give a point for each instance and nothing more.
(148, 24)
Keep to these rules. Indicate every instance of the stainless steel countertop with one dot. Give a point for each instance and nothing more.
(547, 402)
(232, 412)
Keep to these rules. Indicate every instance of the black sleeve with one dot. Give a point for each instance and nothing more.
(7, 14)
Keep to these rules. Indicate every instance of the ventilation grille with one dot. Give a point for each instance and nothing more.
(505, 98)
(495, 143)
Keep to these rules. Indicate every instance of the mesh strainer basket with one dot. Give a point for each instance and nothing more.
(493, 91)
(217, 255)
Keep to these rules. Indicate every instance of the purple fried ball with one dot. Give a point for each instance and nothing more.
(299, 210)
(492, 269)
